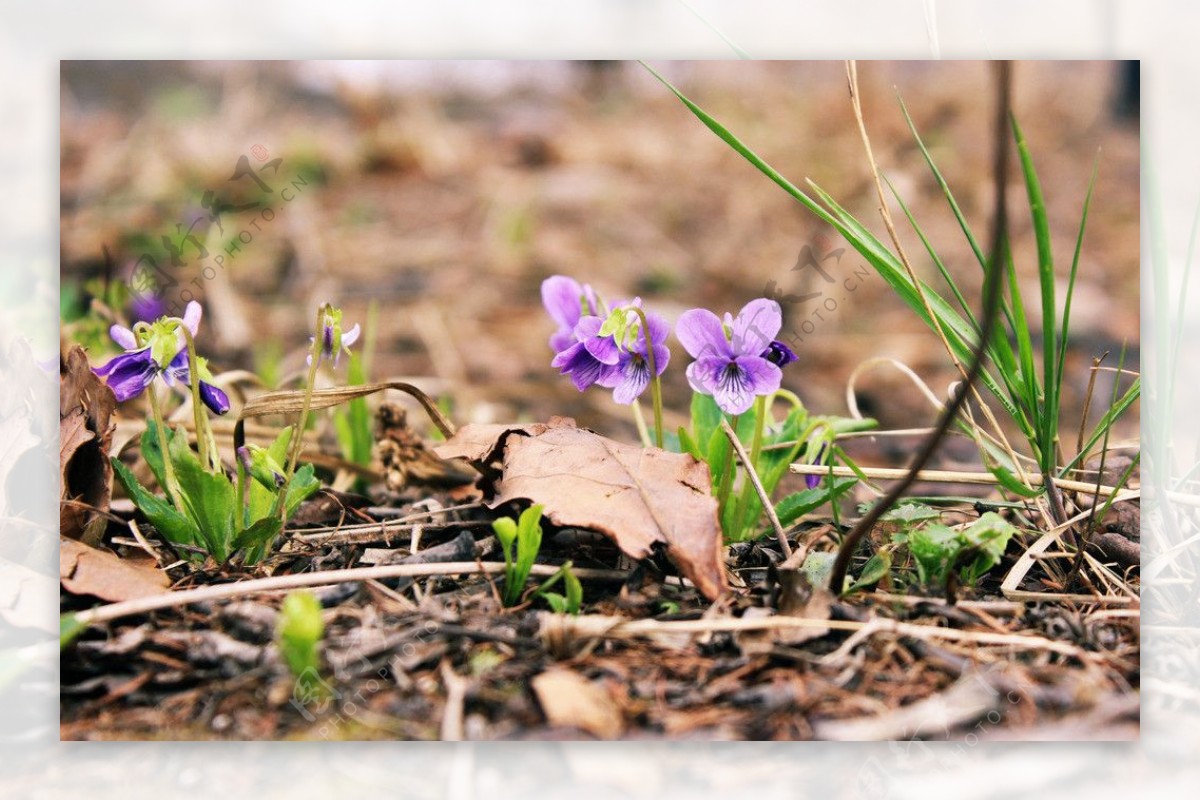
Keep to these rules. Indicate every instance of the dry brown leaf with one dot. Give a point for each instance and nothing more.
(569, 699)
(85, 410)
(639, 497)
(84, 570)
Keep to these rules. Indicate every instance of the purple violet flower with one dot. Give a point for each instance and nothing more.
(129, 373)
(630, 376)
(592, 358)
(333, 340)
(779, 354)
(729, 358)
(147, 308)
(567, 302)
(813, 481)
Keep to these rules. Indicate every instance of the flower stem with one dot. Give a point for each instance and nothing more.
(655, 384)
(760, 423)
(172, 488)
(725, 484)
(241, 492)
(298, 444)
(203, 436)
(640, 420)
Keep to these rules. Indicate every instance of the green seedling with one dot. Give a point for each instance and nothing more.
(525, 537)
(298, 635)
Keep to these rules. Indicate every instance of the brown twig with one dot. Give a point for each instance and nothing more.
(991, 315)
(139, 606)
(752, 476)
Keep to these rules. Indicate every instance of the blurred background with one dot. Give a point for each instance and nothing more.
(432, 198)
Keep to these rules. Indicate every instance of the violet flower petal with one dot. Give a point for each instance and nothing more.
(129, 374)
(560, 296)
(704, 374)
(191, 316)
(779, 354)
(742, 380)
(123, 337)
(633, 376)
(177, 370)
(583, 368)
(562, 339)
(702, 334)
(756, 326)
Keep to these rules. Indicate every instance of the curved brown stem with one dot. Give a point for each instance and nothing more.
(991, 315)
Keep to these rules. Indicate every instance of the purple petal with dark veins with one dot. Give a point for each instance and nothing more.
(129, 374)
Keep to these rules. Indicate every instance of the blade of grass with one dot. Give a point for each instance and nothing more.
(1065, 326)
(1048, 421)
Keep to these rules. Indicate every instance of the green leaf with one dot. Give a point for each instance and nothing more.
(910, 513)
(706, 419)
(353, 422)
(933, 547)
(506, 535)
(262, 499)
(69, 628)
(174, 527)
(873, 571)
(299, 632)
(210, 499)
(574, 592)
(303, 484)
(257, 538)
(688, 445)
(557, 603)
(529, 539)
(152, 453)
(801, 503)
(991, 534)
(1012, 484)
(1041, 231)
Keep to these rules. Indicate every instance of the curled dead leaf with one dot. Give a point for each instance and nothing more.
(84, 570)
(86, 406)
(638, 497)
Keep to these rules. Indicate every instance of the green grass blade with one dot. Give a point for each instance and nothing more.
(934, 257)
(945, 187)
(1065, 326)
(1048, 422)
(1030, 395)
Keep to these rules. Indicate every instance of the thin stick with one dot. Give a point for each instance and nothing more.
(145, 545)
(302, 423)
(947, 476)
(885, 213)
(991, 313)
(138, 606)
(404, 522)
(640, 421)
(595, 626)
(762, 492)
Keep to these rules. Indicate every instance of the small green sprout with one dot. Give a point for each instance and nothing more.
(971, 551)
(298, 634)
(573, 600)
(527, 536)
